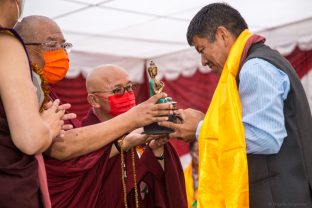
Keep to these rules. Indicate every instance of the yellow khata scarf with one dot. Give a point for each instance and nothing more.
(189, 185)
(223, 181)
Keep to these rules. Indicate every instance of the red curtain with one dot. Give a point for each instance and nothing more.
(189, 92)
(73, 91)
(301, 61)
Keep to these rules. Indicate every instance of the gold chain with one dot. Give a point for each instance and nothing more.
(123, 175)
(134, 179)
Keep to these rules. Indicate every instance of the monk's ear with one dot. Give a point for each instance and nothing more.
(93, 101)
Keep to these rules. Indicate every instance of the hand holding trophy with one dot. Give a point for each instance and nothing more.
(157, 86)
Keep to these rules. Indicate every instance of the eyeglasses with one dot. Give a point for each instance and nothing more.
(54, 44)
(118, 90)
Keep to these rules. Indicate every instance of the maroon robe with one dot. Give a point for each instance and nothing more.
(19, 185)
(73, 183)
(94, 180)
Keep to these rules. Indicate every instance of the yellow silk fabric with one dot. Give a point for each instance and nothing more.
(189, 185)
(223, 181)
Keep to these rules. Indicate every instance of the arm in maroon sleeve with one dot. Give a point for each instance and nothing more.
(77, 182)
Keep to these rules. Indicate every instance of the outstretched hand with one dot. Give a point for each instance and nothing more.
(136, 138)
(185, 130)
(149, 112)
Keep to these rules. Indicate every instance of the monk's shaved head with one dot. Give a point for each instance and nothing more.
(105, 78)
(39, 29)
(100, 84)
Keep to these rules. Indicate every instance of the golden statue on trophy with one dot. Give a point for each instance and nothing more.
(156, 86)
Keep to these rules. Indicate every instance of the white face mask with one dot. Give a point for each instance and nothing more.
(19, 13)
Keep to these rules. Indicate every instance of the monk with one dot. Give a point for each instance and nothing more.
(24, 132)
(159, 175)
(48, 54)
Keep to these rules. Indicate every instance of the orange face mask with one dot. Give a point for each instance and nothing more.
(56, 65)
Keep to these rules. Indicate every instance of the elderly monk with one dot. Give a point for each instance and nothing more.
(46, 46)
(157, 178)
(47, 51)
(23, 131)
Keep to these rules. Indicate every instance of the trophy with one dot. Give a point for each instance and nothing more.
(155, 87)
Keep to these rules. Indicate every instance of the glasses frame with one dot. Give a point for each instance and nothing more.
(66, 46)
(129, 88)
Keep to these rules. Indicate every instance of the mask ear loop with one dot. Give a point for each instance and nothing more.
(37, 52)
(104, 98)
(18, 19)
(22, 4)
(18, 14)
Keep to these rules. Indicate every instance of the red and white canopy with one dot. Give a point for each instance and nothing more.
(129, 33)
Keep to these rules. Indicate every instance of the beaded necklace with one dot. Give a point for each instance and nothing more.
(124, 175)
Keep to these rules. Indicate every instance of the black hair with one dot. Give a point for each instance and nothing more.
(210, 17)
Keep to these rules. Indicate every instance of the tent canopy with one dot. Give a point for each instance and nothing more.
(149, 28)
(128, 33)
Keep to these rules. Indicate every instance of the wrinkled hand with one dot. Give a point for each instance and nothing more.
(136, 138)
(185, 130)
(52, 117)
(67, 116)
(149, 112)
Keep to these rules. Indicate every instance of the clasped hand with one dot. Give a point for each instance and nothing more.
(54, 116)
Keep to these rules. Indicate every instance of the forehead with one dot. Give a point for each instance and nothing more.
(50, 31)
(114, 79)
(200, 41)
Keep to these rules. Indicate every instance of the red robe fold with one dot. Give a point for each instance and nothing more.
(94, 180)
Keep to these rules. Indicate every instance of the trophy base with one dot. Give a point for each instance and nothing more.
(155, 129)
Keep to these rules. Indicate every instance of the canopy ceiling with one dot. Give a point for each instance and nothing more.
(154, 28)
(129, 32)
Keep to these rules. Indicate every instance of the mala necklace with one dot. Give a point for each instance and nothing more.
(124, 175)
